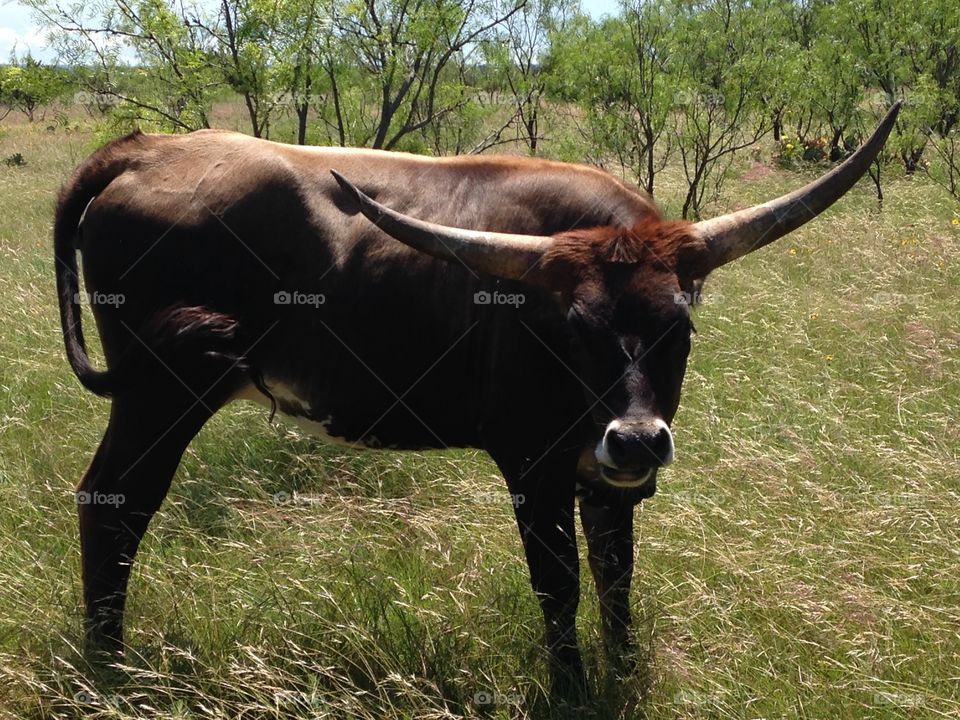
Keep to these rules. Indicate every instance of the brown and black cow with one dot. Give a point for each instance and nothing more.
(533, 309)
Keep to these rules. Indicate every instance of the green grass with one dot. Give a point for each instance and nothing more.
(801, 558)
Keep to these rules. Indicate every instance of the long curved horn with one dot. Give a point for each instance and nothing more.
(731, 236)
(502, 254)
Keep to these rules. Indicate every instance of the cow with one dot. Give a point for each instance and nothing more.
(536, 310)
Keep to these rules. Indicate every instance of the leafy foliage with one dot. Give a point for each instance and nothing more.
(703, 79)
(28, 85)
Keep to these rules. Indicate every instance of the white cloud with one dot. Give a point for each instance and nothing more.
(33, 39)
(19, 31)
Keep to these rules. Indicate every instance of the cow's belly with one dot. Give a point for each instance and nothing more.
(360, 431)
(309, 419)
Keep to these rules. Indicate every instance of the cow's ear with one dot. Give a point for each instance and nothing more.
(692, 287)
(692, 265)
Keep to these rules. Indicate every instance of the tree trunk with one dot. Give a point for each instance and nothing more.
(911, 159)
(386, 118)
(648, 152)
(532, 132)
(252, 112)
(835, 152)
(302, 110)
(874, 171)
(689, 202)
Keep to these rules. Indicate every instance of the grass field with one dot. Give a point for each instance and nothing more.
(800, 559)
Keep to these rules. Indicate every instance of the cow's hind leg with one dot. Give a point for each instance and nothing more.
(130, 474)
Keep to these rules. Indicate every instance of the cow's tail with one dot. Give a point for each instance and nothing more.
(90, 179)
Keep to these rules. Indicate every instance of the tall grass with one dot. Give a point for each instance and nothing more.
(799, 560)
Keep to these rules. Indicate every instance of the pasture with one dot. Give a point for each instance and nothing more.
(801, 557)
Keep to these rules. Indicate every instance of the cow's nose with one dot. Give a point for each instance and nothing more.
(634, 445)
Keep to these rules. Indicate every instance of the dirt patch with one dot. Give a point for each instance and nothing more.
(757, 171)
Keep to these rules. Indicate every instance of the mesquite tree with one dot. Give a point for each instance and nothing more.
(718, 98)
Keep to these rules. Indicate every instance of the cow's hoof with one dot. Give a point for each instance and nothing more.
(623, 658)
(102, 648)
(568, 684)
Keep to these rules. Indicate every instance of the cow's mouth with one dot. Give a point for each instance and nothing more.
(627, 478)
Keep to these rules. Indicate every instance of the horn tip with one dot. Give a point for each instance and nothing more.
(346, 185)
(894, 111)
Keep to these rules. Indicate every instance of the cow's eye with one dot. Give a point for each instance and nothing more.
(680, 336)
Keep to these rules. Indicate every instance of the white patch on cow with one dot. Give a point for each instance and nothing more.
(603, 457)
(297, 409)
(286, 395)
(632, 483)
(663, 426)
(83, 215)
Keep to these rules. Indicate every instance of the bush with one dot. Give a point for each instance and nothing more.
(792, 151)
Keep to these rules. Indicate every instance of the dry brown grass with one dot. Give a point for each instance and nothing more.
(800, 559)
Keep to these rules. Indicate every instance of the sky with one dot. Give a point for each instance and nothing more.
(17, 29)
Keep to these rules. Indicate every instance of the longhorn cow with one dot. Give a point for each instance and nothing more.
(534, 309)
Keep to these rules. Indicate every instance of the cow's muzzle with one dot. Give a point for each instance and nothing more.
(630, 453)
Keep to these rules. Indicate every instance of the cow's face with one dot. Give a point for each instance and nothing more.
(626, 305)
(632, 332)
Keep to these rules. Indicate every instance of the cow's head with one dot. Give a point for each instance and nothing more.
(626, 295)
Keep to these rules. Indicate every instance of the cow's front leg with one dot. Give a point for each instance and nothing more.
(609, 533)
(548, 534)
(544, 507)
